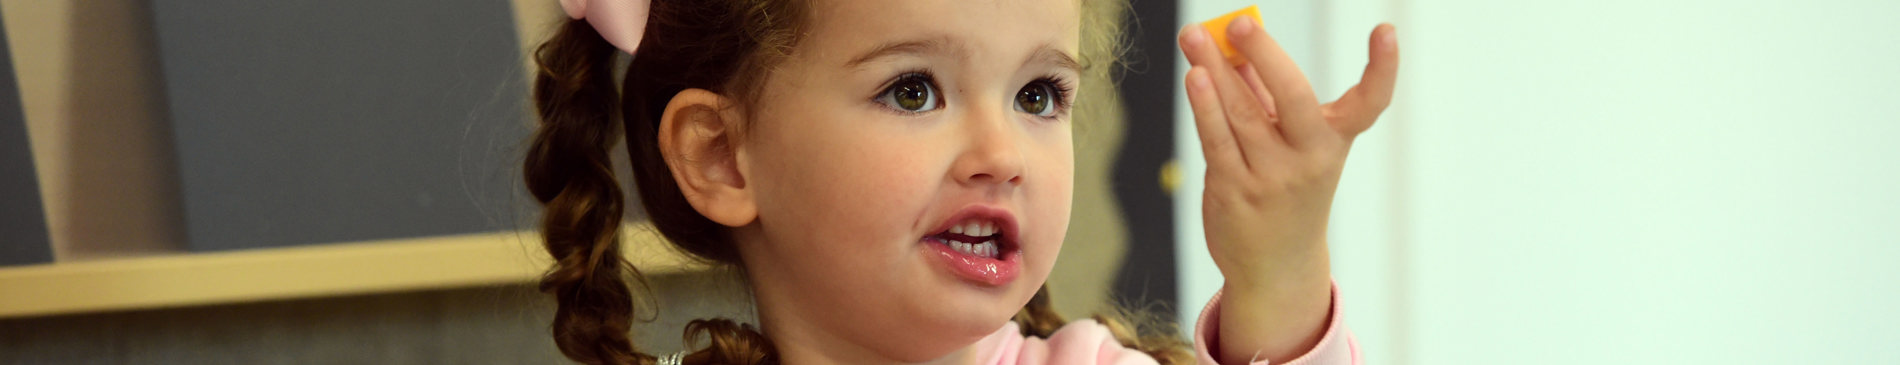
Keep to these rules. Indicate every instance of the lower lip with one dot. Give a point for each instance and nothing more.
(981, 270)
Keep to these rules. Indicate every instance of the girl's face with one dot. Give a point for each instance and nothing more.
(912, 167)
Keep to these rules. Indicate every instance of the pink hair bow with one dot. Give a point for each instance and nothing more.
(621, 22)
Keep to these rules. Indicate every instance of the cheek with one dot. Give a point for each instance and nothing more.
(840, 198)
(1049, 197)
(874, 194)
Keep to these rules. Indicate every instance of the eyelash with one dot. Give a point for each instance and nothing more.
(1064, 90)
(922, 74)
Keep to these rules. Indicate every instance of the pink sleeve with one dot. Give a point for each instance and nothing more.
(1336, 347)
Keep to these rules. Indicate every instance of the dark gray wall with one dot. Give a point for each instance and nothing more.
(1148, 274)
(23, 237)
(311, 121)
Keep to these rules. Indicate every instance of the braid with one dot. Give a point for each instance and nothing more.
(1139, 330)
(568, 171)
(689, 44)
(731, 343)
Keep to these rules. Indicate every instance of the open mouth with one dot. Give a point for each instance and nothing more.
(979, 244)
(979, 238)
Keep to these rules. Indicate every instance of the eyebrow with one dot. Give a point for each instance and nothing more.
(911, 47)
(1059, 58)
(1045, 54)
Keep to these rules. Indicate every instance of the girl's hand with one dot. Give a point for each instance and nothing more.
(1274, 157)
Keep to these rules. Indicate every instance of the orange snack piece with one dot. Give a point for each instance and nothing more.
(1217, 28)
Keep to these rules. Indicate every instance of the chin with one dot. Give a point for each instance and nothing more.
(960, 315)
(946, 333)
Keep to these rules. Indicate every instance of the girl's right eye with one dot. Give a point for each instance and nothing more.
(911, 93)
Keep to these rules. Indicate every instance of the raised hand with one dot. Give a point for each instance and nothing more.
(1274, 157)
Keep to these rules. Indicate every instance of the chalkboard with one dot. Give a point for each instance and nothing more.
(313, 121)
(23, 237)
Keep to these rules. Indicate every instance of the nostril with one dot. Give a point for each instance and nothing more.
(1013, 179)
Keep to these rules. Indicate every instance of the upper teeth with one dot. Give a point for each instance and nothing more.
(974, 228)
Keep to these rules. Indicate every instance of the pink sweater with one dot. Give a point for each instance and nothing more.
(1087, 342)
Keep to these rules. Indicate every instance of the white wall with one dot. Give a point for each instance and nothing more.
(1691, 181)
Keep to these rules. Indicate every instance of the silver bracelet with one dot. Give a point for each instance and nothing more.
(673, 359)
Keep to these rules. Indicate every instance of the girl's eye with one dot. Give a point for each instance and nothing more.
(1037, 98)
(914, 93)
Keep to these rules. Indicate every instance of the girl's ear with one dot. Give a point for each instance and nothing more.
(696, 137)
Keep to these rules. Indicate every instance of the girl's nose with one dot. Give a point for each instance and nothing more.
(992, 154)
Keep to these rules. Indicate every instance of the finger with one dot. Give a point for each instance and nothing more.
(1293, 96)
(1253, 129)
(1355, 111)
(1252, 76)
(1217, 139)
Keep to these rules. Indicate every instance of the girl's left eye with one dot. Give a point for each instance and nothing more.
(1040, 98)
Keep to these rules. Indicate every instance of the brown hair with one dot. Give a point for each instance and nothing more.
(727, 47)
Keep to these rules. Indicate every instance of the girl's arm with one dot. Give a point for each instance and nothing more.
(1274, 157)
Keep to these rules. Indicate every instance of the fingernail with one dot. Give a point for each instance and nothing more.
(1391, 36)
(1196, 35)
(1200, 81)
(1241, 27)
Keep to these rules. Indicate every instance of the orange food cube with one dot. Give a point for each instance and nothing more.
(1217, 28)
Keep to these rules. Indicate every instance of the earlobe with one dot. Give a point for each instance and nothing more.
(697, 132)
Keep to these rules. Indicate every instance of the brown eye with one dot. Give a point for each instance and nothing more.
(911, 93)
(1036, 98)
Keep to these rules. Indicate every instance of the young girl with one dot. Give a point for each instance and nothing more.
(894, 179)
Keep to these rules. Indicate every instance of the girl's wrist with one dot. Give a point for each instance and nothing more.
(1292, 269)
(1277, 310)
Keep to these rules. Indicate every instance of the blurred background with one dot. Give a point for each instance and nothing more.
(1654, 182)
